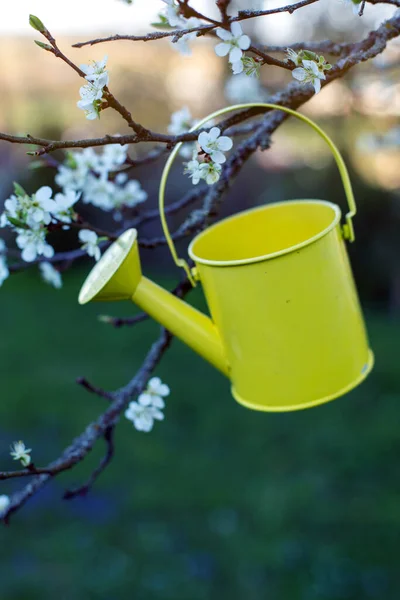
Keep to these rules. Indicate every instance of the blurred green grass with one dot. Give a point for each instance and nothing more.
(218, 501)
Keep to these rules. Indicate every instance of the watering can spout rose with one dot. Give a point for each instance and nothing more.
(285, 321)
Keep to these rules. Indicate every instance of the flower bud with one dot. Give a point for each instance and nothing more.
(36, 23)
(43, 45)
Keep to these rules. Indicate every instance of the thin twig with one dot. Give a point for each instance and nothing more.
(105, 461)
(93, 389)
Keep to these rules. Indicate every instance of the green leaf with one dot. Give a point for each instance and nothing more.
(308, 55)
(17, 223)
(162, 23)
(35, 164)
(36, 23)
(70, 160)
(19, 190)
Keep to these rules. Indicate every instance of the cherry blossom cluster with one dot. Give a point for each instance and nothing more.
(85, 175)
(310, 67)
(171, 17)
(149, 405)
(31, 215)
(92, 93)
(206, 164)
(89, 173)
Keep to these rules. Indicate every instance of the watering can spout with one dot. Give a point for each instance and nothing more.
(118, 276)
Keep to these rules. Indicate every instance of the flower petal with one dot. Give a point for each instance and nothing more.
(317, 85)
(214, 133)
(244, 42)
(311, 65)
(222, 49)
(203, 140)
(218, 157)
(237, 67)
(145, 399)
(29, 253)
(223, 34)
(163, 390)
(158, 402)
(224, 143)
(154, 383)
(44, 193)
(300, 74)
(236, 29)
(157, 414)
(48, 251)
(235, 54)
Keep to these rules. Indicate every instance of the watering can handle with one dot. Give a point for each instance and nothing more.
(348, 230)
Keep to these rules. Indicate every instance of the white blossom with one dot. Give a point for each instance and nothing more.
(96, 73)
(40, 207)
(4, 504)
(155, 388)
(172, 14)
(30, 211)
(294, 57)
(90, 100)
(73, 179)
(149, 405)
(112, 158)
(20, 452)
(211, 172)
(72, 175)
(88, 172)
(50, 274)
(99, 191)
(12, 207)
(309, 73)
(181, 121)
(194, 171)
(172, 17)
(214, 144)
(33, 243)
(4, 272)
(143, 416)
(234, 42)
(63, 210)
(182, 44)
(86, 159)
(90, 243)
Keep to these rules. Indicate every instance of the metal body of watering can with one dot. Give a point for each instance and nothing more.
(286, 325)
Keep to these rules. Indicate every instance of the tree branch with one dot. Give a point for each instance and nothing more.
(83, 444)
(105, 461)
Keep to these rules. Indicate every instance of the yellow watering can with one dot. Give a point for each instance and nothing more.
(286, 325)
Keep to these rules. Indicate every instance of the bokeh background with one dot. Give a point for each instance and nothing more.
(218, 501)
